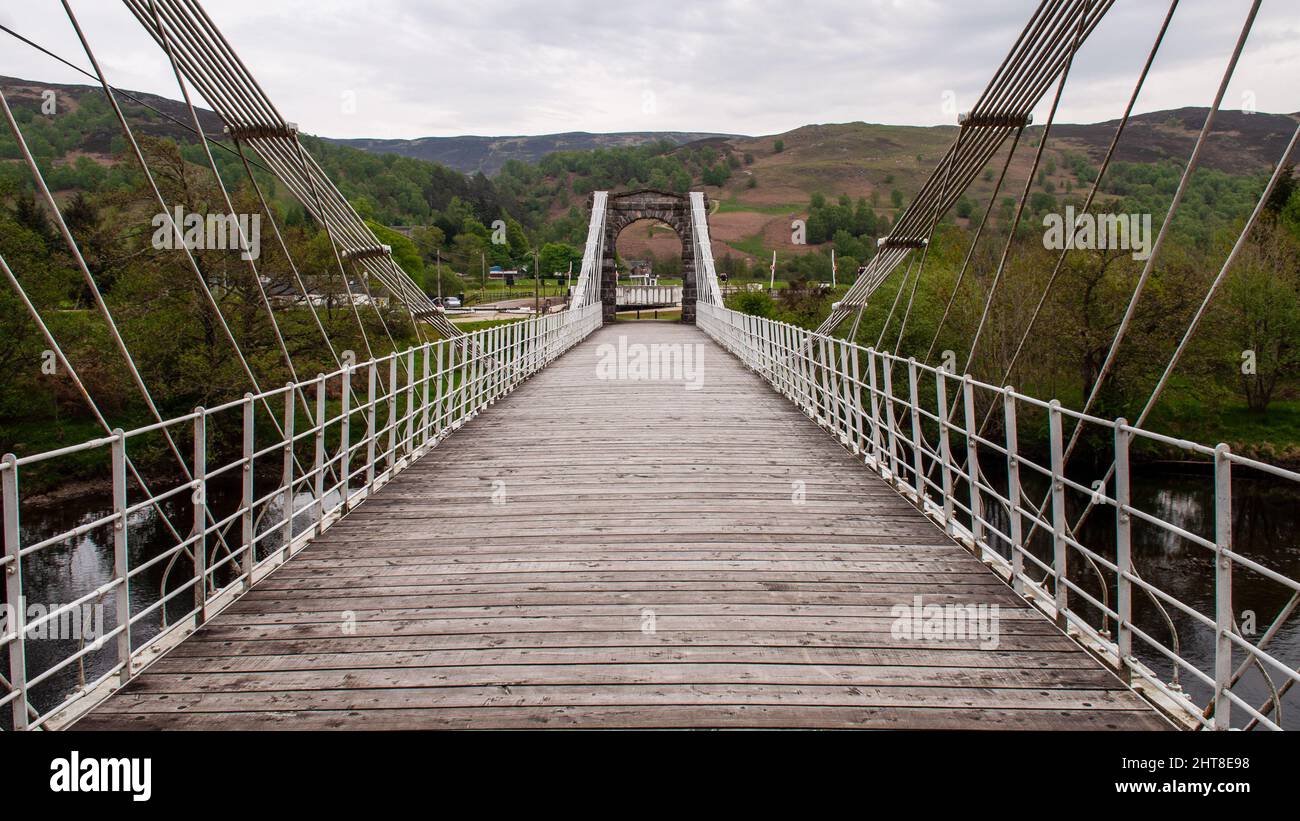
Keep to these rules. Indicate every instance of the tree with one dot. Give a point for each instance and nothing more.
(555, 257)
(1262, 307)
(429, 240)
(779, 146)
(754, 303)
(404, 251)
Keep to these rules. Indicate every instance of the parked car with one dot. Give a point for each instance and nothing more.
(451, 302)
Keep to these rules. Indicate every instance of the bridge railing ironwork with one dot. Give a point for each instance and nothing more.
(1072, 547)
(252, 498)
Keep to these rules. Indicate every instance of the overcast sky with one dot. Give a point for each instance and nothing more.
(413, 68)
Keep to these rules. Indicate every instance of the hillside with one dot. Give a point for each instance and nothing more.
(471, 154)
(543, 181)
(150, 122)
(769, 188)
(874, 161)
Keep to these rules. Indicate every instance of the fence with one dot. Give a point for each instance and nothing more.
(956, 455)
(364, 424)
(658, 295)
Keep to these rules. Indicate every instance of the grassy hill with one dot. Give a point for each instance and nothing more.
(541, 180)
(872, 161)
(472, 154)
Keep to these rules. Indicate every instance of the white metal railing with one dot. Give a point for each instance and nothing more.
(370, 421)
(648, 294)
(1016, 517)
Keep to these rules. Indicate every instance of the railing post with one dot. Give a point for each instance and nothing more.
(410, 402)
(804, 344)
(822, 389)
(973, 466)
(945, 451)
(14, 592)
(492, 365)
(246, 502)
(801, 370)
(849, 395)
(765, 347)
(512, 356)
(501, 377)
(1059, 555)
(1014, 529)
(345, 437)
(537, 355)
(834, 376)
(490, 360)
(121, 556)
(1123, 553)
(792, 367)
(877, 444)
(914, 399)
(290, 414)
(438, 390)
(854, 386)
(392, 413)
(200, 497)
(318, 466)
(372, 410)
(472, 385)
(796, 365)
(461, 400)
(781, 362)
(424, 396)
(1223, 614)
(891, 430)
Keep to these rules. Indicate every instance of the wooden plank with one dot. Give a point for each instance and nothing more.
(726, 716)
(662, 558)
(611, 695)
(209, 645)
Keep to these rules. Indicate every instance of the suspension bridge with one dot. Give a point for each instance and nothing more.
(572, 521)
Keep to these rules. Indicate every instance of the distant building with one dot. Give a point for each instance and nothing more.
(282, 292)
(496, 272)
(642, 272)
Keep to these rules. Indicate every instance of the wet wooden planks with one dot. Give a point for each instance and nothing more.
(626, 553)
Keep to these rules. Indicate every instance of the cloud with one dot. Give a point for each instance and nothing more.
(420, 68)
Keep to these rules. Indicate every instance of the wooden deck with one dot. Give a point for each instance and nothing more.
(648, 568)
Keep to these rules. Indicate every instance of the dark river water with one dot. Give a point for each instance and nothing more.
(1267, 515)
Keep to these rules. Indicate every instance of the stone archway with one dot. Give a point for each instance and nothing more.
(673, 210)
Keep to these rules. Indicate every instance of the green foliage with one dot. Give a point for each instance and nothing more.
(754, 303)
(405, 254)
(556, 257)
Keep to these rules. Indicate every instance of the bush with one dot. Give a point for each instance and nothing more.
(754, 303)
